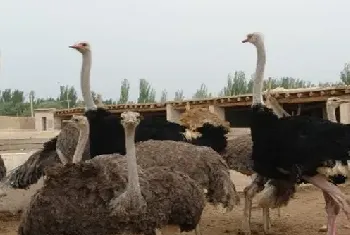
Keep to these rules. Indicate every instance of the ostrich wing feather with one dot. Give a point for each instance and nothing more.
(296, 141)
(33, 169)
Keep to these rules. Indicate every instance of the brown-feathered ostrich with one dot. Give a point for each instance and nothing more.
(106, 133)
(238, 155)
(110, 195)
(201, 163)
(65, 145)
(294, 148)
(83, 127)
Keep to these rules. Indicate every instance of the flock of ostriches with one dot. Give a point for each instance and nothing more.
(105, 174)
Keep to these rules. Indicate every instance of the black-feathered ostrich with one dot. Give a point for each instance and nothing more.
(2, 175)
(238, 155)
(285, 190)
(340, 166)
(105, 129)
(2, 168)
(294, 148)
(110, 194)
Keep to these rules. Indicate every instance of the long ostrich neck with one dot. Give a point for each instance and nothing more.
(259, 74)
(331, 113)
(82, 140)
(276, 107)
(133, 177)
(85, 81)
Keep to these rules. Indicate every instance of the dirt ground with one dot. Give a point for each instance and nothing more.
(303, 216)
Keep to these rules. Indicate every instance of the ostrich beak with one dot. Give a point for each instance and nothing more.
(245, 40)
(74, 46)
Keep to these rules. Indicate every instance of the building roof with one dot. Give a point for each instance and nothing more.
(301, 95)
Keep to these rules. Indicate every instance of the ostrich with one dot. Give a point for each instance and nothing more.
(238, 157)
(283, 199)
(201, 163)
(109, 194)
(2, 175)
(294, 148)
(331, 105)
(2, 168)
(105, 130)
(82, 124)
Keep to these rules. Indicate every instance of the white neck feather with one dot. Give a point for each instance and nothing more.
(259, 74)
(85, 82)
(133, 177)
(83, 138)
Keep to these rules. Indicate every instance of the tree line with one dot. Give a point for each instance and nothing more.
(17, 103)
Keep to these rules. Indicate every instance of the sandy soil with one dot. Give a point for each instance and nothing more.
(303, 216)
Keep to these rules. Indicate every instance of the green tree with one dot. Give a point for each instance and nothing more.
(108, 102)
(146, 94)
(6, 95)
(49, 103)
(345, 74)
(17, 97)
(68, 96)
(330, 84)
(124, 92)
(32, 96)
(179, 95)
(236, 84)
(202, 92)
(163, 97)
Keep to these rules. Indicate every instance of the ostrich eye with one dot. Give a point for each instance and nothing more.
(84, 44)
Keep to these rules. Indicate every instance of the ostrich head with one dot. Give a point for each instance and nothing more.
(335, 102)
(82, 47)
(81, 121)
(254, 38)
(130, 119)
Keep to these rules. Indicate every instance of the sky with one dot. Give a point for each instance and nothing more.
(173, 44)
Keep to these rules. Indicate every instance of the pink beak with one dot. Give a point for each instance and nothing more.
(75, 46)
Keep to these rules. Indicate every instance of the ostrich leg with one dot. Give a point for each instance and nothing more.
(250, 191)
(198, 230)
(335, 200)
(332, 209)
(266, 220)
